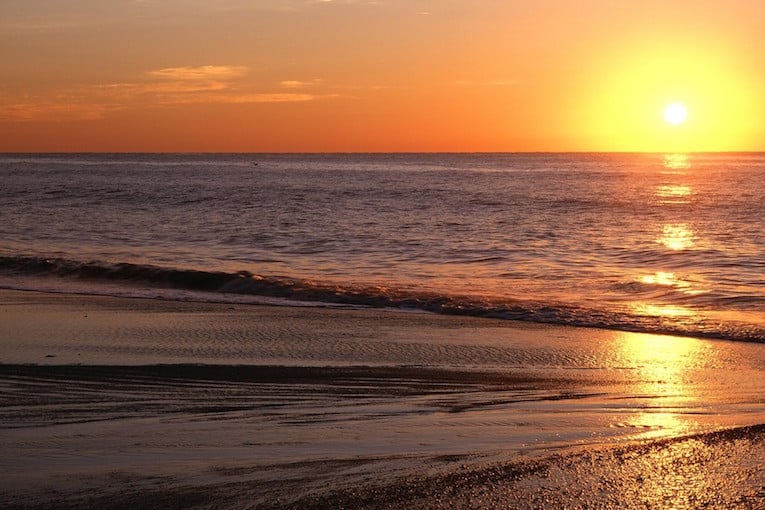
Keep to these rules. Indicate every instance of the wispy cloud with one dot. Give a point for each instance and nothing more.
(297, 84)
(38, 28)
(171, 87)
(178, 81)
(246, 98)
(489, 83)
(52, 111)
(190, 73)
(208, 84)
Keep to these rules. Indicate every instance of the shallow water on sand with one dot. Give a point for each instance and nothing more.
(105, 396)
(456, 385)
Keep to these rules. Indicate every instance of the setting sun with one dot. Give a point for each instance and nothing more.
(675, 113)
(291, 76)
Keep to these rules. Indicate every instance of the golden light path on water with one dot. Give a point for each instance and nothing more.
(669, 371)
(675, 237)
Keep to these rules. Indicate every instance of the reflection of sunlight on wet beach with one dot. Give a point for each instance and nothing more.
(661, 398)
(658, 423)
(654, 353)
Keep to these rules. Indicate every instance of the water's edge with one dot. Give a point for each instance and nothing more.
(149, 281)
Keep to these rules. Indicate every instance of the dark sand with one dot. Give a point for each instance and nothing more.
(121, 403)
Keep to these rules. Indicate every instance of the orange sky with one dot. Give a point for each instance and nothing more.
(385, 75)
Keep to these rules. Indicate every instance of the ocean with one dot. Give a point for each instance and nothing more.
(659, 243)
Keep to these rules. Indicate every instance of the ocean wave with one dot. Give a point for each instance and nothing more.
(218, 284)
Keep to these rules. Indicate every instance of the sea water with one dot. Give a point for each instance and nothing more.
(666, 243)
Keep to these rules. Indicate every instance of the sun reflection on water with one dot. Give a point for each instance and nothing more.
(676, 161)
(677, 236)
(662, 401)
(661, 310)
(674, 194)
(665, 278)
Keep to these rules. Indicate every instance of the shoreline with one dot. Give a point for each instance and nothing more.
(127, 280)
(134, 403)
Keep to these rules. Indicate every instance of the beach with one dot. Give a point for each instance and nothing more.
(361, 254)
(145, 403)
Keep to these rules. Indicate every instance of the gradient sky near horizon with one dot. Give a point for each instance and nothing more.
(384, 75)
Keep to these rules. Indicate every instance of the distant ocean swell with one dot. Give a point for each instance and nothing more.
(218, 284)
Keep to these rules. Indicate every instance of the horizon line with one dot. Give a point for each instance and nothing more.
(381, 152)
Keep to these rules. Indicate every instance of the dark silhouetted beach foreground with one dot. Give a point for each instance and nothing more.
(139, 403)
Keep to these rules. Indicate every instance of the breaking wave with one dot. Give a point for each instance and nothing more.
(221, 286)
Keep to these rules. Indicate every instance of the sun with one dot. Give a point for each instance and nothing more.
(675, 113)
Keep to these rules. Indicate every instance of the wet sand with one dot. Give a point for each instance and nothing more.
(124, 403)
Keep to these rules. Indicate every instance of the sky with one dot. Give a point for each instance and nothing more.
(380, 76)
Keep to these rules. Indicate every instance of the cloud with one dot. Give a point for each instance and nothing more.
(170, 85)
(245, 98)
(296, 84)
(159, 88)
(189, 73)
(209, 84)
(490, 83)
(204, 84)
(51, 111)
